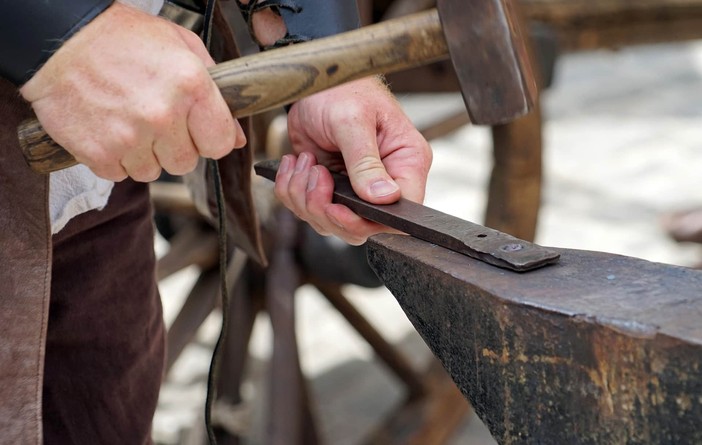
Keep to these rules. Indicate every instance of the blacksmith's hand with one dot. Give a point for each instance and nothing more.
(130, 94)
(358, 128)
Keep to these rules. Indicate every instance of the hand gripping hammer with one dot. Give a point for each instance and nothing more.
(482, 37)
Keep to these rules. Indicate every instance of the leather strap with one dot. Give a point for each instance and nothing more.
(25, 278)
(213, 166)
(31, 31)
(180, 15)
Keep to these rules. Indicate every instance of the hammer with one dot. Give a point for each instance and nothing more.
(482, 37)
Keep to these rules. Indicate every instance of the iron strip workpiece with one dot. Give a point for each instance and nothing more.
(467, 238)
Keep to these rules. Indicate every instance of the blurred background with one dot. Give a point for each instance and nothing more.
(621, 138)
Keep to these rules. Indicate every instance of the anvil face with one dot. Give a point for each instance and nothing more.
(597, 349)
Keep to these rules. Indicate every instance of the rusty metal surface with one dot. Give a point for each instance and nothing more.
(474, 240)
(597, 349)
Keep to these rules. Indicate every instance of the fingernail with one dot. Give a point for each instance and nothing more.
(312, 181)
(302, 162)
(383, 188)
(284, 165)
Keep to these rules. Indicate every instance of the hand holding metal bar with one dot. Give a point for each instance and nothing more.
(473, 240)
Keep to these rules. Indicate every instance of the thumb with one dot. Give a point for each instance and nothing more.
(369, 178)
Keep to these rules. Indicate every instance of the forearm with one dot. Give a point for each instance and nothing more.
(30, 31)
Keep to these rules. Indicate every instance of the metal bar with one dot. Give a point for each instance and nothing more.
(473, 240)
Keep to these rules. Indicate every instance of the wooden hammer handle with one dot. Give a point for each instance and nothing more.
(260, 82)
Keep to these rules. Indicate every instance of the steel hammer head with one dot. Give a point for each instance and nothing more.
(489, 54)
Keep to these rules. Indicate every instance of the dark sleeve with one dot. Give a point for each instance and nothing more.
(309, 19)
(31, 30)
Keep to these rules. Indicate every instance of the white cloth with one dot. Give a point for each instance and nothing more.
(76, 190)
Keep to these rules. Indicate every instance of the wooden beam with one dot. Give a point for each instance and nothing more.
(514, 192)
(590, 36)
(562, 11)
(597, 349)
(592, 24)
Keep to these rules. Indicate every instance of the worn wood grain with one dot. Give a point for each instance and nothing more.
(261, 82)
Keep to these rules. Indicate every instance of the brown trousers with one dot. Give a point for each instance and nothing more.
(105, 338)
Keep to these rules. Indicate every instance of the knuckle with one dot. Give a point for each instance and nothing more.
(111, 172)
(217, 148)
(367, 165)
(426, 154)
(145, 173)
(192, 78)
(99, 158)
(422, 148)
(424, 159)
(190, 36)
(227, 143)
(281, 192)
(219, 152)
(158, 114)
(182, 164)
(348, 112)
(125, 136)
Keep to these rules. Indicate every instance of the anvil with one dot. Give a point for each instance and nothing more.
(596, 349)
